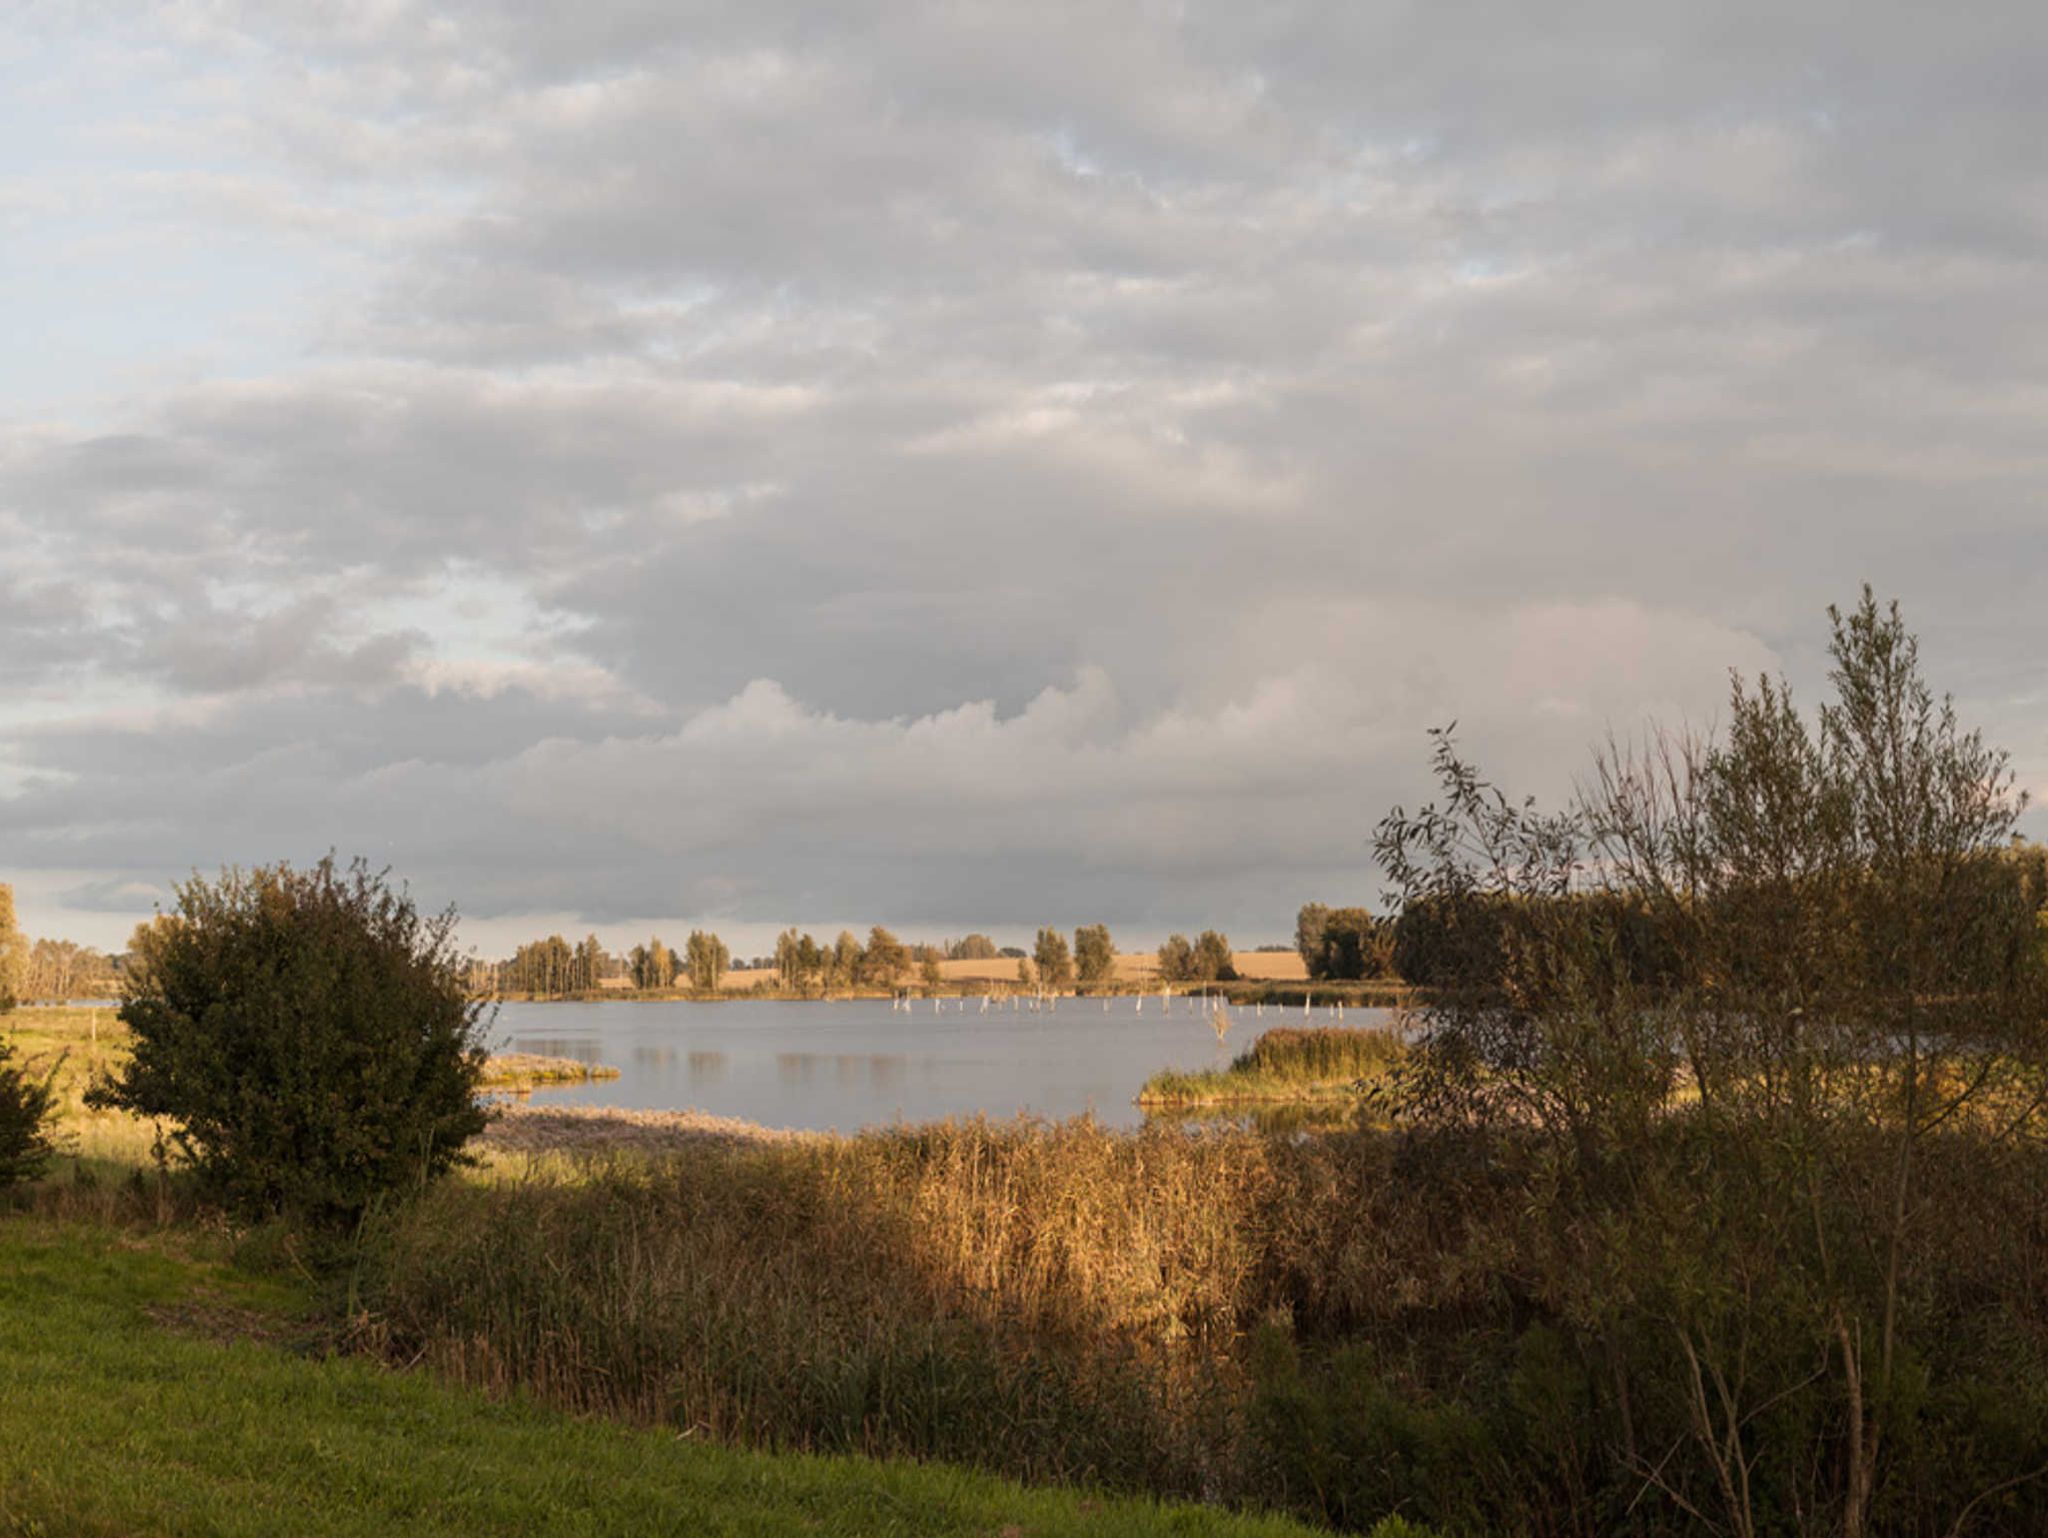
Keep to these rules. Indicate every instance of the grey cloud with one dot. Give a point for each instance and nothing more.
(1361, 365)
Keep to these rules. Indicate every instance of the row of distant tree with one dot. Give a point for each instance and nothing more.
(1334, 944)
(50, 969)
(802, 963)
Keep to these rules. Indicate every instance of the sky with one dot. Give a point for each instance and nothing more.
(636, 465)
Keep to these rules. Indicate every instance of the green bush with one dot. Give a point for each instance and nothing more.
(24, 1120)
(309, 1034)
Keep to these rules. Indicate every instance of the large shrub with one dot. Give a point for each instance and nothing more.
(309, 1035)
(24, 1120)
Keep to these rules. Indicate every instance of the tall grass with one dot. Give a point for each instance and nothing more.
(1055, 1301)
(1284, 1064)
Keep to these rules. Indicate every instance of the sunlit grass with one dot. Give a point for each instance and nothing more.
(148, 1390)
(1286, 1064)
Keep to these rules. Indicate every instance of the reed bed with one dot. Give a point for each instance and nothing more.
(1287, 1064)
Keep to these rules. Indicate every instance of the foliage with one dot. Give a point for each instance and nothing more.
(1309, 923)
(309, 1034)
(930, 974)
(1758, 1016)
(1094, 955)
(652, 965)
(1176, 959)
(1343, 944)
(13, 953)
(1051, 961)
(1212, 958)
(976, 947)
(26, 1103)
(706, 957)
(799, 961)
(884, 960)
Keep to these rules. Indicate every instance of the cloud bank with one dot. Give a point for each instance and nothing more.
(970, 466)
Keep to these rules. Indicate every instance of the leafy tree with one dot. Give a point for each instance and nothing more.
(1350, 944)
(589, 964)
(1309, 925)
(1212, 958)
(25, 1106)
(310, 1035)
(885, 959)
(1094, 954)
(793, 965)
(1026, 977)
(1012, 952)
(1052, 961)
(929, 973)
(652, 965)
(707, 959)
(975, 947)
(13, 952)
(846, 962)
(25, 1101)
(1176, 959)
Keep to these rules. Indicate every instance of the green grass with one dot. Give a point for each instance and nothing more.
(148, 1390)
(1286, 1065)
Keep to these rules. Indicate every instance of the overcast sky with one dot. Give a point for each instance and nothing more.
(635, 464)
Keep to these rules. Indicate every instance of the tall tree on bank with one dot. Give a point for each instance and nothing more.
(885, 960)
(707, 959)
(1176, 959)
(1309, 925)
(1213, 958)
(13, 952)
(1094, 955)
(652, 965)
(1052, 961)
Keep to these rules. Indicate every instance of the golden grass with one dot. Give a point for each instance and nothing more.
(522, 1072)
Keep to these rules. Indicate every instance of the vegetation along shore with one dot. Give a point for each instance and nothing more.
(1705, 1191)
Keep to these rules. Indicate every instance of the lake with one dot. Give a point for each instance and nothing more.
(859, 1063)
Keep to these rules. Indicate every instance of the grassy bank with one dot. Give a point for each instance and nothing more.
(149, 1391)
(1286, 1064)
(520, 1072)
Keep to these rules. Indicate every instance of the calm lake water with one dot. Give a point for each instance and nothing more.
(858, 1063)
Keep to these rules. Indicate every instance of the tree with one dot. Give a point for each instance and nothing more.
(707, 959)
(1026, 978)
(1052, 961)
(846, 960)
(974, 948)
(1094, 955)
(1176, 959)
(1752, 1015)
(1212, 958)
(789, 959)
(652, 965)
(930, 974)
(1349, 944)
(13, 953)
(590, 964)
(1309, 925)
(885, 959)
(25, 1106)
(309, 1034)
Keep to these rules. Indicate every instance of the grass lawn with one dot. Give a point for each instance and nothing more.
(145, 1390)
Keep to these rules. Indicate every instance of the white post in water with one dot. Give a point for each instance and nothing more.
(1305, 1000)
